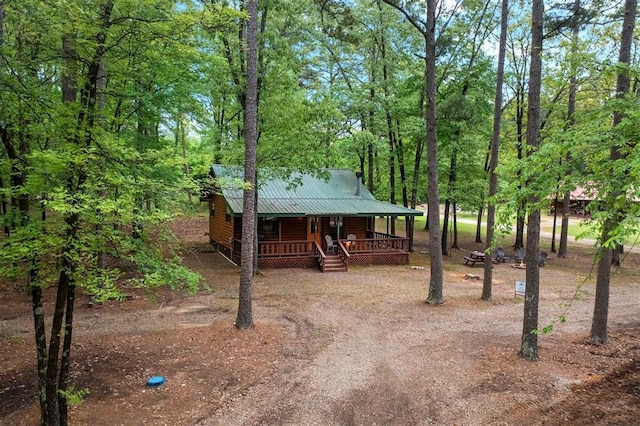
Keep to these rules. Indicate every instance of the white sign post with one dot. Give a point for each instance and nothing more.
(520, 287)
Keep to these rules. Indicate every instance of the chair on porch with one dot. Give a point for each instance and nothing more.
(331, 247)
(351, 241)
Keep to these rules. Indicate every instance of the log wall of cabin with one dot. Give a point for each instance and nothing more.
(354, 225)
(293, 228)
(221, 230)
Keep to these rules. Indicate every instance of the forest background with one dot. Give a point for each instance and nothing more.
(112, 111)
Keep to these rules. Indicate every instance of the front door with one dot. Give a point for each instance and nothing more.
(313, 230)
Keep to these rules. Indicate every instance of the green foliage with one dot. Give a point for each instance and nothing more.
(74, 397)
(549, 327)
(158, 270)
(103, 285)
(102, 177)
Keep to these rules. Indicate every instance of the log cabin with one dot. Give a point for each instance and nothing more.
(322, 220)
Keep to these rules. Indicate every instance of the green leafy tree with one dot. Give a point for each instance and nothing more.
(90, 171)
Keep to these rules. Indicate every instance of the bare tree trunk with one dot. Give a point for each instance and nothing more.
(615, 259)
(479, 223)
(529, 346)
(393, 143)
(454, 243)
(449, 201)
(41, 348)
(564, 229)
(520, 214)
(601, 305)
(392, 180)
(244, 318)
(65, 362)
(495, 147)
(555, 220)
(435, 250)
(623, 84)
(445, 228)
(53, 406)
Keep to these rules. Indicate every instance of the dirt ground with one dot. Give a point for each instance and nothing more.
(355, 348)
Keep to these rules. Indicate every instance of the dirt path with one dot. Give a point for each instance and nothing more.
(355, 348)
(393, 360)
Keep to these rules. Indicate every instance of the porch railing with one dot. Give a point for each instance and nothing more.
(379, 244)
(382, 243)
(286, 248)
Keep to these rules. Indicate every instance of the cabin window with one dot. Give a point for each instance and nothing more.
(269, 228)
(228, 214)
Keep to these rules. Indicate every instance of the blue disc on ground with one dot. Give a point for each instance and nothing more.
(155, 381)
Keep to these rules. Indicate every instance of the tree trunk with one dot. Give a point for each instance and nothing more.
(417, 166)
(529, 347)
(601, 308)
(454, 243)
(41, 348)
(520, 214)
(494, 151)
(393, 144)
(555, 221)
(564, 229)
(435, 249)
(520, 222)
(401, 166)
(392, 180)
(370, 162)
(445, 228)
(66, 355)
(426, 222)
(244, 318)
(450, 200)
(479, 223)
(615, 258)
(571, 108)
(53, 407)
(601, 305)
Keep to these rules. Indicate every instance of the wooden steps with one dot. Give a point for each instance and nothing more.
(333, 263)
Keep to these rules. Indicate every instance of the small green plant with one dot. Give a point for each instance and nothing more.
(549, 327)
(74, 397)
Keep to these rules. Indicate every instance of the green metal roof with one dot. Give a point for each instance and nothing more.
(309, 195)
